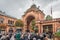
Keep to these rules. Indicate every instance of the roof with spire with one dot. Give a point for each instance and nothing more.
(34, 8)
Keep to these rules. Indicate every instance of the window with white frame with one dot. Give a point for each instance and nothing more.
(10, 22)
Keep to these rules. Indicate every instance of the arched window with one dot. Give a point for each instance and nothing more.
(1, 20)
(10, 22)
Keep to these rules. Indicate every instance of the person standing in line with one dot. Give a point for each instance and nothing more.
(10, 35)
(17, 36)
(3, 37)
(7, 37)
(42, 36)
(0, 35)
(35, 37)
(27, 35)
(22, 36)
(31, 36)
(46, 38)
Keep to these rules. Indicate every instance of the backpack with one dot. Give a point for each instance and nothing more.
(18, 36)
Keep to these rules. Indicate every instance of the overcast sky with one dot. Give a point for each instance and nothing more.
(17, 8)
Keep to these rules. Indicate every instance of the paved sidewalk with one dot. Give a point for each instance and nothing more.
(50, 39)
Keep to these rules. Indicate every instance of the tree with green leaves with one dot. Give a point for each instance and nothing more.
(19, 23)
(32, 24)
(48, 17)
(34, 28)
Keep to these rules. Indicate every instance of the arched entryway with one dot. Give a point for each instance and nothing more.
(28, 21)
(32, 13)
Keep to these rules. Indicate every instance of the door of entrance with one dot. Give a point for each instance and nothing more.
(48, 29)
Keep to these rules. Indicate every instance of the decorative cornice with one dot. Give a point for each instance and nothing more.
(50, 21)
(4, 14)
(33, 8)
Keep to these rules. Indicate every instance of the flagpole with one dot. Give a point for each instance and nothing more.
(32, 1)
(51, 12)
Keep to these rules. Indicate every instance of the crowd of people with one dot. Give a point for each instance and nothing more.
(19, 35)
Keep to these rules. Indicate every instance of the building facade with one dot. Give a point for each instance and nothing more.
(6, 22)
(34, 13)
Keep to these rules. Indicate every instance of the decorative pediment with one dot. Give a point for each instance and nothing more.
(33, 8)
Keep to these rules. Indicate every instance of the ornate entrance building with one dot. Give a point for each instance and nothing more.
(34, 13)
